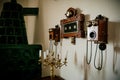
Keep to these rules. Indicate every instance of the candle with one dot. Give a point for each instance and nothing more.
(60, 50)
(47, 52)
(55, 51)
(39, 53)
(44, 55)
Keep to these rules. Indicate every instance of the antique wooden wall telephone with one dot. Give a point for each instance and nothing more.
(73, 25)
(97, 32)
(54, 37)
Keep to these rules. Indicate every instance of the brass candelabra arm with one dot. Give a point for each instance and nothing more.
(58, 63)
(65, 62)
(46, 62)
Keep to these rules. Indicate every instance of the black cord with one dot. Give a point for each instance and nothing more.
(88, 62)
(101, 64)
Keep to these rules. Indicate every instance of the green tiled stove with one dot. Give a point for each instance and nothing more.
(18, 59)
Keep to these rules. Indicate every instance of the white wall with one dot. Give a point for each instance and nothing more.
(50, 14)
(30, 21)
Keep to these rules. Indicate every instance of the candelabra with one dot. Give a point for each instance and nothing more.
(53, 60)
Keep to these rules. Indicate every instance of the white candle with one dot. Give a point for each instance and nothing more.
(39, 53)
(47, 52)
(55, 51)
(44, 55)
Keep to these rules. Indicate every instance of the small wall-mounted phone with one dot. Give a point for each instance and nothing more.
(54, 33)
(54, 37)
(73, 26)
(97, 32)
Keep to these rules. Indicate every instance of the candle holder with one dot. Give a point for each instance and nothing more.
(53, 60)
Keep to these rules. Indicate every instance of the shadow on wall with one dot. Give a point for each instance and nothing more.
(114, 33)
